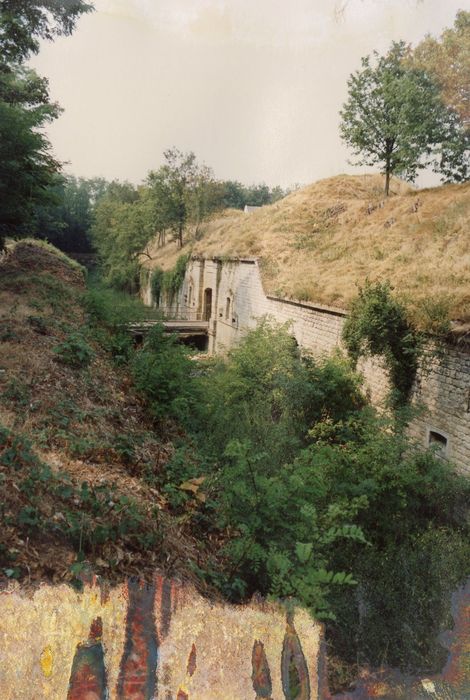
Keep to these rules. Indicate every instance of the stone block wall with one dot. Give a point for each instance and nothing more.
(442, 391)
(238, 301)
(142, 642)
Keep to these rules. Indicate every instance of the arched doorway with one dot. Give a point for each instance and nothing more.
(207, 304)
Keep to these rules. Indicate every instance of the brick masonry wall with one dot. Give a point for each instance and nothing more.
(442, 392)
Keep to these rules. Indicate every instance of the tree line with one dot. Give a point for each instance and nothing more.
(405, 111)
(37, 198)
(181, 193)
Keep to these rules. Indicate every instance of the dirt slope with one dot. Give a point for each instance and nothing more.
(318, 243)
(79, 458)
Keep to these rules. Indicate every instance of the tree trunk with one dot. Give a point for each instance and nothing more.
(388, 164)
(387, 182)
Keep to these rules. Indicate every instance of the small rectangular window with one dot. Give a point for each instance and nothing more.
(438, 441)
(227, 308)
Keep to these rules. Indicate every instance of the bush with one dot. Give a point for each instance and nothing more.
(378, 326)
(162, 372)
(260, 403)
(323, 501)
(109, 311)
(407, 504)
(74, 351)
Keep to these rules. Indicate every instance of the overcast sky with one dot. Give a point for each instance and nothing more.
(253, 87)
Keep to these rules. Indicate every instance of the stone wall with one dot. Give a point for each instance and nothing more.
(442, 391)
(140, 642)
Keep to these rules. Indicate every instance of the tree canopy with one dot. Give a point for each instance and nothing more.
(28, 170)
(447, 60)
(179, 189)
(395, 116)
(24, 22)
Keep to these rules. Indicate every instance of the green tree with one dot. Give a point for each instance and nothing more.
(67, 225)
(395, 116)
(28, 169)
(234, 195)
(24, 22)
(178, 188)
(122, 227)
(447, 59)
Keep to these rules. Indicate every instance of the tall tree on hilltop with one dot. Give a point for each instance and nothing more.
(178, 190)
(395, 116)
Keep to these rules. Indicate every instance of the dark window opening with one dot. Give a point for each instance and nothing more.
(438, 441)
(207, 304)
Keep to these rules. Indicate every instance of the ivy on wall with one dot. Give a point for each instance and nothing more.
(168, 282)
(378, 326)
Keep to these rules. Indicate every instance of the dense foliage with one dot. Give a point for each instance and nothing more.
(314, 495)
(180, 191)
(447, 59)
(161, 371)
(28, 169)
(24, 22)
(66, 220)
(168, 282)
(180, 194)
(378, 326)
(121, 228)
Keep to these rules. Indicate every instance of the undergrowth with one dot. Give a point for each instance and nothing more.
(278, 465)
(45, 504)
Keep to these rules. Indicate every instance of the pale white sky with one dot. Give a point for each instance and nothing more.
(252, 86)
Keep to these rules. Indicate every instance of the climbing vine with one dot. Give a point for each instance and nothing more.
(169, 282)
(378, 326)
(156, 284)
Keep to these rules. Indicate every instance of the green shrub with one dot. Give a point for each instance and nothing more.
(74, 351)
(110, 311)
(407, 504)
(162, 372)
(17, 392)
(324, 501)
(378, 326)
(173, 279)
(91, 516)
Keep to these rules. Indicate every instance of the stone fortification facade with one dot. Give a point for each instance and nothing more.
(229, 295)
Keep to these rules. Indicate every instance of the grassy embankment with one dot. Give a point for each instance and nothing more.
(320, 242)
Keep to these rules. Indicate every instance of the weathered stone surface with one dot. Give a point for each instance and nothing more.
(140, 642)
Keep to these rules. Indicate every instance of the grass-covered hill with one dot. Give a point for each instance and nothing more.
(319, 242)
(80, 460)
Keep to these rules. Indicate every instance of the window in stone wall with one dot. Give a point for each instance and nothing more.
(227, 308)
(439, 441)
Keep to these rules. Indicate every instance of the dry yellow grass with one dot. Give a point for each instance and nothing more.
(322, 241)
